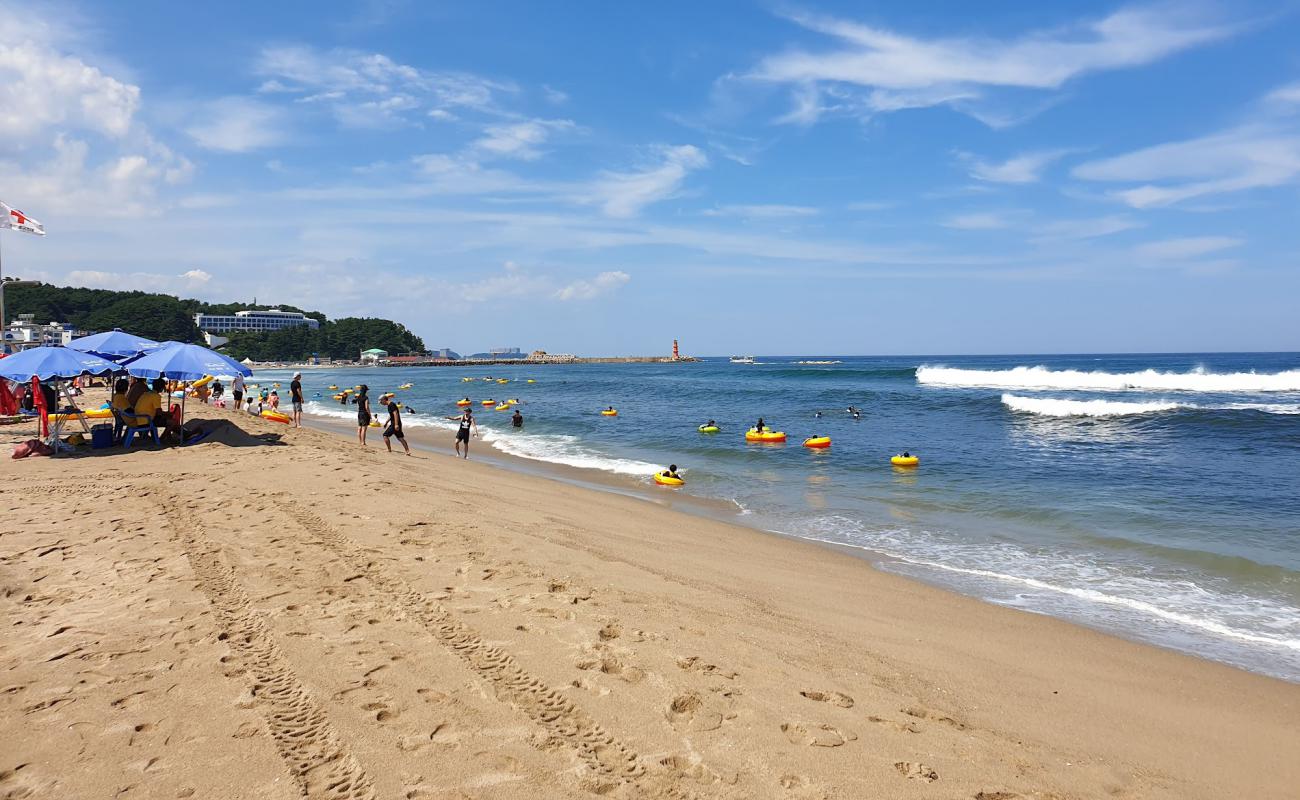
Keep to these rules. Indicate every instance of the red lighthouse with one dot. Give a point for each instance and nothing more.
(676, 355)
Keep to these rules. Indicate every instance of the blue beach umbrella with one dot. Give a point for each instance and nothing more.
(183, 362)
(113, 345)
(53, 363)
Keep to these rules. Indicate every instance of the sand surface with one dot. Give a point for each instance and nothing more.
(277, 613)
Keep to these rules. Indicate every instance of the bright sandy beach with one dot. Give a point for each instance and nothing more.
(276, 613)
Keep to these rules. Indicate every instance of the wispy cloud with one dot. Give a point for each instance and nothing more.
(980, 221)
(371, 89)
(519, 140)
(1096, 227)
(1024, 168)
(1185, 248)
(624, 194)
(590, 289)
(238, 125)
(1249, 157)
(894, 71)
(761, 211)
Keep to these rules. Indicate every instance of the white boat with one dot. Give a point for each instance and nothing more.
(742, 359)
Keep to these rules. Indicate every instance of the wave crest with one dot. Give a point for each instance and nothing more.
(1051, 407)
(1041, 377)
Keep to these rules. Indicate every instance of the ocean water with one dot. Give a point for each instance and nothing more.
(1153, 496)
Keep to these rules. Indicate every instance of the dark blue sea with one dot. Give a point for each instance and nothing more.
(1154, 496)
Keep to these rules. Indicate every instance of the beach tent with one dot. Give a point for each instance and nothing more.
(113, 345)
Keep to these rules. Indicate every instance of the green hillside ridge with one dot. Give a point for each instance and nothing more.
(164, 317)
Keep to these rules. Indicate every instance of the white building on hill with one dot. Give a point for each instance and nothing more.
(271, 320)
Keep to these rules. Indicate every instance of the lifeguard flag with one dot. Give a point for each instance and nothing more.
(16, 220)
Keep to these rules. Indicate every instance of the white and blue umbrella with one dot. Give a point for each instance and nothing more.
(183, 362)
(52, 364)
(114, 345)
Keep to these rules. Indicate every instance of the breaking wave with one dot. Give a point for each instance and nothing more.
(1040, 377)
(1054, 407)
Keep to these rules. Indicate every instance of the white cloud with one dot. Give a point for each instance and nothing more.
(1249, 157)
(1085, 228)
(899, 71)
(519, 140)
(42, 87)
(1186, 248)
(238, 125)
(1024, 168)
(983, 221)
(1285, 95)
(769, 211)
(554, 96)
(371, 89)
(589, 289)
(145, 281)
(624, 194)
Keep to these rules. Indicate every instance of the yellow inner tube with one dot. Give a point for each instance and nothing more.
(905, 461)
(753, 435)
(464, 402)
(93, 413)
(275, 416)
(709, 429)
(663, 479)
(489, 402)
(817, 442)
(332, 387)
(609, 412)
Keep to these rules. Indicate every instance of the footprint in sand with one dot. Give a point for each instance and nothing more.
(610, 632)
(816, 734)
(834, 698)
(916, 771)
(687, 712)
(934, 716)
(902, 727)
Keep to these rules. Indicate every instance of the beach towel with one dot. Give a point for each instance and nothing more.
(32, 447)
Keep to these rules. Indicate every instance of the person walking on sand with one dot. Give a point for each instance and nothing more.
(467, 424)
(394, 425)
(295, 398)
(363, 412)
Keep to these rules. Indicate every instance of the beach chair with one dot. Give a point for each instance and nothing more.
(133, 426)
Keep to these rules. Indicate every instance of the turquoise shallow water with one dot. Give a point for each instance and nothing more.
(1155, 496)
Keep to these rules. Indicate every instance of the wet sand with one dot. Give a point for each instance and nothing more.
(279, 613)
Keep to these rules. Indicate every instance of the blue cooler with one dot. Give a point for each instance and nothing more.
(101, 436)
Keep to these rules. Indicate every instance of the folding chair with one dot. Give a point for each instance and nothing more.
(133, 427)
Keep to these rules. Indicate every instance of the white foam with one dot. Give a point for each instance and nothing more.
(1051, 407)
(566, 450)
(1181, 602)
(1054, 407)
(1041, 377)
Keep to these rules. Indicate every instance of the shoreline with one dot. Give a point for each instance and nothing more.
(432, 440)
(713, 662)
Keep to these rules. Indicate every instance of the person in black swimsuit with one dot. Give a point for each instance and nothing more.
(467, 424)
(295, 397)
(363, 412)
(517, 420)
(760, 426)
(394, 425)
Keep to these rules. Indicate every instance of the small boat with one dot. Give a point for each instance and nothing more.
(742, 360)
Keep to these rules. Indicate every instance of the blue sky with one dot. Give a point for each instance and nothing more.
(748, 177)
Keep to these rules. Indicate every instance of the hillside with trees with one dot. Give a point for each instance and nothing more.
(164, 317)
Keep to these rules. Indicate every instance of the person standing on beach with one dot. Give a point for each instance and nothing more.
(467, 424)
(363, 412)
(394, 425)
(295, 397)
(237, 390)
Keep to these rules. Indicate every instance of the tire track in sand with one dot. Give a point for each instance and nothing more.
(598, 749)
(302, 733)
